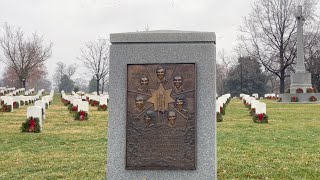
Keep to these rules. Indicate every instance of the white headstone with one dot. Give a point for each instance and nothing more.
(84, 106)
(261, 108)
(9, 101)
(255, 95)
(42, 104)
(103, 100)
(36, 112)
(76, 102)
(254, 104)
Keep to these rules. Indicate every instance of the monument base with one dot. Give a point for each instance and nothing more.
(300, 80)
(303, 97)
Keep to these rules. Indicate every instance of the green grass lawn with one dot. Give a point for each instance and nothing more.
(66, 148)
(286, 148)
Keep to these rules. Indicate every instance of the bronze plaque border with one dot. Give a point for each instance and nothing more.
(195, 123)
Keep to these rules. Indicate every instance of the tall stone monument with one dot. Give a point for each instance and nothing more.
(301, 78)
(162, 106)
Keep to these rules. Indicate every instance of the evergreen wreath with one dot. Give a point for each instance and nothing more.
(94, 103)
(65, 102)
(222, 110)
(310, 90)
(81, 115)
(299, 90)
(70, 108)
(6, 108)
(313, 98)
(102, 107)
(294, 99)
(31, 125)
(15, 105)
(260, 118)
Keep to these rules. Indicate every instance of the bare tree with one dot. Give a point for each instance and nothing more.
(95, 57)
(71, 70)
(23, 54)
(269, 34)
(105, 81)
(63, 71)
(225, 63)
(60, 71)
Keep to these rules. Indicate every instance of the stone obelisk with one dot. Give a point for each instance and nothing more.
(301, 78)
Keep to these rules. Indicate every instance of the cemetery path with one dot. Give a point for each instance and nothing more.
(236, 112)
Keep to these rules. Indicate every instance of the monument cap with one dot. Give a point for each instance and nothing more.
(163, 36)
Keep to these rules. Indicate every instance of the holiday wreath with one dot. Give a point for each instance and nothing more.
(31, 125)
(6, 108)
(260, 118)
(81, 115)
(102, 107)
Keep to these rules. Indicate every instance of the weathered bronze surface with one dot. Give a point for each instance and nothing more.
(161, 124)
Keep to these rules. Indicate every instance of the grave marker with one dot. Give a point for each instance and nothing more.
(165, 62)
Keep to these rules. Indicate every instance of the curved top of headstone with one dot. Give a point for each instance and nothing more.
(162, 36)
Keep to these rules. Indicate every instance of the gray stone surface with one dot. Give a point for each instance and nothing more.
(203, 54)
(163, 36)
(300, 80)
(303, 97)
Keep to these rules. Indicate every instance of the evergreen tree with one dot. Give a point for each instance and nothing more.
(66, 84)
(93, 84)
(247, 77)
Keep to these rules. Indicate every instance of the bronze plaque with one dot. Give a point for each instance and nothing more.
(161, 124)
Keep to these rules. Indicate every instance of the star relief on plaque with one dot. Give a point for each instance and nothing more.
(161, 116)
(161, 98)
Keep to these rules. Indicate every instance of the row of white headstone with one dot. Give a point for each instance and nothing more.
(103, 99)
(7, 89)
(9, 99)
(260, 107)
(77, 101)
(272, 95)
(221, 102)
(39, 108)
(11, 91)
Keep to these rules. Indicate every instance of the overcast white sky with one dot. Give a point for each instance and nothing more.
(71, 23)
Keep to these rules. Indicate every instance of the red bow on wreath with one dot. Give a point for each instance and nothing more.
(221, 109)
(32, 125)
(260, 117)
(82, 115)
